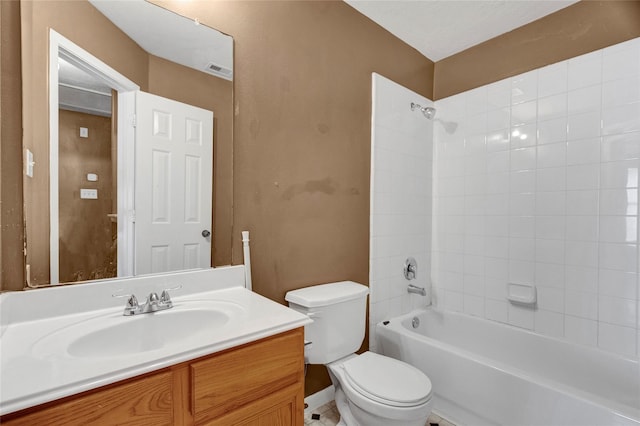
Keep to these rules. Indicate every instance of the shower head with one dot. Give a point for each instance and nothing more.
(428, 112)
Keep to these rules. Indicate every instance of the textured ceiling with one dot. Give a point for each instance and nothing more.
(441, 28)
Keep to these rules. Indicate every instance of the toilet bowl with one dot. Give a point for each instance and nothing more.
(370, 389)
(375, 390)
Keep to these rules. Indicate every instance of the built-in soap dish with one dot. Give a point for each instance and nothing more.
(522, 294)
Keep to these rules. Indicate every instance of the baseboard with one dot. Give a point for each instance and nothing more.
(318, 399)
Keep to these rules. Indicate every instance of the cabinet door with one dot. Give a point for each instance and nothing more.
(282, 408)
(233, 379)
(146, 401)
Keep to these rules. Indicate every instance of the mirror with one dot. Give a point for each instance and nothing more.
(81, 183)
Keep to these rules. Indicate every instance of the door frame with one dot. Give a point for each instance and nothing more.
(61, 46)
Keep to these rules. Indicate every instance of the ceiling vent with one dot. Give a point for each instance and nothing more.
(219, 71)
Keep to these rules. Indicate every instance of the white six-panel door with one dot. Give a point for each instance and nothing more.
(173, 185)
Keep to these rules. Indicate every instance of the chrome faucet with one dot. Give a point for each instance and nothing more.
(153, 303)
(417, 290)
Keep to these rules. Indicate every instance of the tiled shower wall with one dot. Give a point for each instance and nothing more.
(401, 199)
(536, 181)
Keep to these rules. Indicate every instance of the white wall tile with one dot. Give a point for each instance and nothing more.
(552, 107)
(550, 251)
(550, 203)
(523, 159)
(621, 92)
(496, 310)
(617, 339)
(583, 151)
(549, 323)
(621, 147)
(584, 100)
(581, 330)
(582, 228)
(499, 94)
(581, 278)
(558, 208)
(620, 174)
(524, 87)
(618, 229)
(551, 299)
(522, 226)
(523, 136)
(551, 179)
(524, 113)
(618, 311)
(581, 253)
(585, 70)
(621, 119)
(521, 317)
(581, 304)
(550, 227)
(474, 305)
(522, 181)
(552, 131)
(586, 125)
(618, 283)
(552, 155)
(624, 61)
(401, 202)
(550, 275)
(620, 257)
(582, 202)
(552, 79)
(584, 176)
(618, 202)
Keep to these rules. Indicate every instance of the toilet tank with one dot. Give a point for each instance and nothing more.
(338, 311)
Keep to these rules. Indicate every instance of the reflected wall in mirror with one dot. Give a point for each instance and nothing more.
(162, 53)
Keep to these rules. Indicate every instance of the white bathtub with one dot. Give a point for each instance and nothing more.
(487, 373)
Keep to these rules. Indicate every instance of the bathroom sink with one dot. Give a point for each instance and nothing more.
(116, 335)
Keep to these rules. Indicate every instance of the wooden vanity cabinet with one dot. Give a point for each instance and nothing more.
(259, 383)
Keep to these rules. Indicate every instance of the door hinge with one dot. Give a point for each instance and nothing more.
(134, 120)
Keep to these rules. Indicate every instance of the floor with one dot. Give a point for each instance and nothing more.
(329, 416)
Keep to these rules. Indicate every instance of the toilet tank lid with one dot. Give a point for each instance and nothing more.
(326, 294)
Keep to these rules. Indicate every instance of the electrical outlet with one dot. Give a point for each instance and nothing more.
(84, 132)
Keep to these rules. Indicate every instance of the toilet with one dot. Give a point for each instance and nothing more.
(370, 389)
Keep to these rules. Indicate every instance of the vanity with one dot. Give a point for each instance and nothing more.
(221, 355)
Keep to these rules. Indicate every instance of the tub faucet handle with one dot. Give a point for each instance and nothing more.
(410, 269)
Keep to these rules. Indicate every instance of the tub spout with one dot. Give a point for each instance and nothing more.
(417, 290)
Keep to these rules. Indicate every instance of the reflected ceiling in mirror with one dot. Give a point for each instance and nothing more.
(183, 41)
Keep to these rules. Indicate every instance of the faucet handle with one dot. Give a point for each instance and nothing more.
(165, 298)
(132, 303)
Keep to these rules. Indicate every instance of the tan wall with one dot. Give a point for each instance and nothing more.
(580, 28)
(12, 234)
(215, 94)
(302, 136)
(87, 245)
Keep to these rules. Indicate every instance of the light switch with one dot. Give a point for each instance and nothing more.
(29, 163)
(92, 177)
(89, 194)
(84, 132)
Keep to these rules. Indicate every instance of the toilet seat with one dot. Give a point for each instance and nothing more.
(387, 380)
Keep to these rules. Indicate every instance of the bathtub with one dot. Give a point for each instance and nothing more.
(487, 373)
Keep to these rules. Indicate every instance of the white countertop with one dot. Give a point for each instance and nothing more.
(34, 370)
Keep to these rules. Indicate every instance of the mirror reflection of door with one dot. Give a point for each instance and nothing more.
(172, 205)
(173, 186)
(87, 153)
